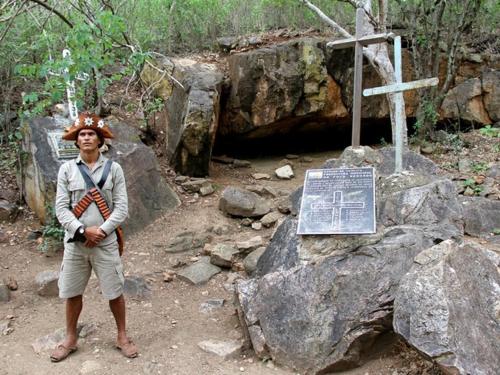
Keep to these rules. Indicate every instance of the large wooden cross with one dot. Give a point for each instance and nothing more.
(358, 41)
(399, 87)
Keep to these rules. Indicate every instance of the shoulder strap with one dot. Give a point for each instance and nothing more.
(89, 181)
(105, 173)
(86, 175)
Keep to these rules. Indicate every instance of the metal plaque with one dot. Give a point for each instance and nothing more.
(338, 201)
(63, 149)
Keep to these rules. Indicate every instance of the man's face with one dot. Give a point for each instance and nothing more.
(88, 140)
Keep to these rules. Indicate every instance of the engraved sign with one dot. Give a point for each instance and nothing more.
(63, 149)
(338, 201)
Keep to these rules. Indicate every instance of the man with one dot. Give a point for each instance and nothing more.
(90, 241)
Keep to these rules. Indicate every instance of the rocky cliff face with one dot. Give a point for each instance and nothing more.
(294, 87)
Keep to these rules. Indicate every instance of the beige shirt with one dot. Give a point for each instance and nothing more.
(71, 189)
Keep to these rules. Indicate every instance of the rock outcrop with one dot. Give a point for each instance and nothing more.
(149, 196)
(447, 307)
(191, 113)
(319, 303)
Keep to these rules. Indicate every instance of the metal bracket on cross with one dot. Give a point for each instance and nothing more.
(399, 87)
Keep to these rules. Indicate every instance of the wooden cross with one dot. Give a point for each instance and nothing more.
(399, 87)
(358, 41)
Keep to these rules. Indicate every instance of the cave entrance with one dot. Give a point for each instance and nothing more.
(311, 139)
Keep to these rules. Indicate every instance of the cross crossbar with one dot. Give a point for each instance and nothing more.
(364, 41)
(400, 87)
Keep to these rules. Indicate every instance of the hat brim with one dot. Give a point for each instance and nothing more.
(72, 133)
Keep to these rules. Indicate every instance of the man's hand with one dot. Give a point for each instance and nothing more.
(94, 235)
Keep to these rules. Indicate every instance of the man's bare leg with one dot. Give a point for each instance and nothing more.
(73, 309)
(117, 307)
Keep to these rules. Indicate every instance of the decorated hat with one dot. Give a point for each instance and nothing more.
(88, 121)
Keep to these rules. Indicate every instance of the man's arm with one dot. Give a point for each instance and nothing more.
(120, 201)
(63, 212)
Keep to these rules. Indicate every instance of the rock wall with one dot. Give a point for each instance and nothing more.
(294, 87)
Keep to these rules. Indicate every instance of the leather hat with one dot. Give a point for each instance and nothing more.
(88, 121)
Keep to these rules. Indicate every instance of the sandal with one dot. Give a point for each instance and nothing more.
(129, 349)
(61, 352)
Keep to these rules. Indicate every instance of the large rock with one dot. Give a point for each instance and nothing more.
(191, 111)
(491, 89)
(447, 306)
(465, 102)
(240, 202)
(319, 303)
(148, 194)
(481, 215)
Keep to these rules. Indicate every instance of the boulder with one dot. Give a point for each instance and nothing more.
(447, 307)
(465, 102)
(8, 211)
(481, 215)
(191, 111)
(148, 195)
(240, 202)
(491, 88)
(319, 303)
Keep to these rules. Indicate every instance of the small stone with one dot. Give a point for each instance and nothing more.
(212, 304)
(270, 219)
(284, 173)
(46, 283)
(174, 347)
(222, 255)
(246, 222)
(261, 176)
(257, 225)
(306, 159)
(250, 262)
(224, 349)
(181, 179)
(207, 190)
(11, 283)
(199, 272)
(291, 156)
(137, 288)
(241, 163)
(5, 328)
(169, 276)
(250, 244)
(4, 293)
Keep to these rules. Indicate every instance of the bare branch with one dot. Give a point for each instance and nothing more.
(325, 18)
(55, 11)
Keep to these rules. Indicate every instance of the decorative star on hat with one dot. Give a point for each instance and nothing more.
(88, 121)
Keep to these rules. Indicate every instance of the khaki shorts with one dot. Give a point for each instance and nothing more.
(79, 261)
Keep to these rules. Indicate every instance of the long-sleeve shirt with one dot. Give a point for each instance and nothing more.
(71, 189)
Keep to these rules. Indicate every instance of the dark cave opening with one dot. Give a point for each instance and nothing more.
(302, 140)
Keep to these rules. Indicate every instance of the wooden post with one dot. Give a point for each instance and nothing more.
(398, 89)
(358, 41)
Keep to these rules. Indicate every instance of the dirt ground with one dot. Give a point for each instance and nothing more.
(168, 326)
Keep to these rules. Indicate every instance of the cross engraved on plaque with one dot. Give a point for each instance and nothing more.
(337, 206)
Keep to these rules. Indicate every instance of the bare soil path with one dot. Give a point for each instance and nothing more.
(168, 326)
